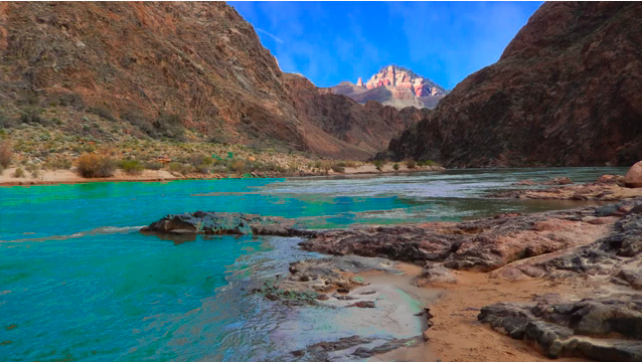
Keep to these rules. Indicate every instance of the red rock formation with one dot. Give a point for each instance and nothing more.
(567, 91)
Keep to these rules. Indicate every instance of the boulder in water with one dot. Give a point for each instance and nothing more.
(633, 178)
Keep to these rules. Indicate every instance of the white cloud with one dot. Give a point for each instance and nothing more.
(274, 37)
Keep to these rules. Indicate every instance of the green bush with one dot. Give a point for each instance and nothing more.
(338, 168)
(395, 166)
(91, 165)
(351, 164)
(32, 115)
(411, 164)
(132, 167)
(182, 168)
(5, 121)
(378, 164)
(421, 164)
(6, 153)
(19, 173)
(152, 165)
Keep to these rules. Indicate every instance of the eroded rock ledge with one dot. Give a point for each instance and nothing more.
(574, 328)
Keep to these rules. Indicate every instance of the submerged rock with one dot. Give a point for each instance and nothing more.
(218, 223)
(633, 178)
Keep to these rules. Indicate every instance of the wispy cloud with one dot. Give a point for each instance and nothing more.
(274, 37)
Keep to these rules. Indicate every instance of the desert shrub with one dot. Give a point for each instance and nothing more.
(205, 169)
(151, 165)
(169, 125)
(421, 164)
(132, 167)
(1, 170)
(198, 160)
(340, 164)
(102, 113)
(182, 168)
(338, 168)
(378, 164)
(32, 115)
(395, 166)
(91, 165)
(201, 163)
(411, 164)
(318, 164)
(19, 172)
(6, 153)
(351, 164)
(237, 166)
(63, 164)
(6, 121)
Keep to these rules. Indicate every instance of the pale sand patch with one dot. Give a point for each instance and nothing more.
(70, 176)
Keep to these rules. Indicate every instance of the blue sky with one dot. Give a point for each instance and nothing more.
(329, 42)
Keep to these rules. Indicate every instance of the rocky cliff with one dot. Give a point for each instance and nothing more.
(194, 71)
(366, 129)
(567, 91)
(395, 86)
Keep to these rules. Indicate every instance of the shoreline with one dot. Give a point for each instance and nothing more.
(515, 260)
(69, 177)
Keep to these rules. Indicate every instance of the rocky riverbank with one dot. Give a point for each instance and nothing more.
(605, 188)
(574, 276)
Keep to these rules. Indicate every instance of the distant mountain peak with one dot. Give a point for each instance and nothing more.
(395, 86)
(396, 76)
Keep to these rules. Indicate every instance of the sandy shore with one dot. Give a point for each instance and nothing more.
(457, 336)
(71, 177)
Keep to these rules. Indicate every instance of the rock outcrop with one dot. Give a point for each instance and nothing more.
(395, 86)
(567, 91)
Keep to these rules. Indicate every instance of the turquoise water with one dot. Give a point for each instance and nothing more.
(78, 282)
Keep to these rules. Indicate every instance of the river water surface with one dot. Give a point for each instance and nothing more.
(79, 283)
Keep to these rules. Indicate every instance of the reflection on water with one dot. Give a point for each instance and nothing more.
(78, 282)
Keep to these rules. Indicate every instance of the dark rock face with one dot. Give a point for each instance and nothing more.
(561, 95)
(559, 328)
(215, 223)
